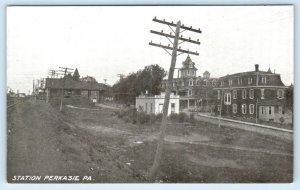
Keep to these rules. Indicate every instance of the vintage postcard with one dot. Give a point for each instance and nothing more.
(150, 94)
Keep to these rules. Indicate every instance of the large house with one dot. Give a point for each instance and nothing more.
(74, 86)
(195, 92)
(254, 94)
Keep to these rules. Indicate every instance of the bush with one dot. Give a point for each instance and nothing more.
(192, 118)
(182, 117)
(143, 117)
(174, 117)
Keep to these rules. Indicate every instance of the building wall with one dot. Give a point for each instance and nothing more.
(154, 105)
(258, 102)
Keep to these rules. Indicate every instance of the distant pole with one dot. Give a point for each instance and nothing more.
(64, 70)
(220, 113)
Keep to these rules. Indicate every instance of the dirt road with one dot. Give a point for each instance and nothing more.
(33, 141)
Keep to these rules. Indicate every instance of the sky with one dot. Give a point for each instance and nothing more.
(104, 41)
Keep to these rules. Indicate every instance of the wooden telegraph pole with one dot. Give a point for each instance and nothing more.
(175, 35)
(64, 71)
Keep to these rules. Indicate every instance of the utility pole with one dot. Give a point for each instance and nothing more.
(177, 40)
(221, 107)
(52, 73)
(121, 76)
(64, 71)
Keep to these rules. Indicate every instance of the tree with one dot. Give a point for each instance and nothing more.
(149, 79)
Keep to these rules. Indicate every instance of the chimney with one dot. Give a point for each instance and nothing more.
(256, 67)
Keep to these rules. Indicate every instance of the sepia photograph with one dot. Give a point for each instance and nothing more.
(150, 94)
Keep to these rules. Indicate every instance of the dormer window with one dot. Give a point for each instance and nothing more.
(230, 82)
(222, 83)
(240, 81)
(264, 80)
(250, 80)
(191, 66)
(280, 94)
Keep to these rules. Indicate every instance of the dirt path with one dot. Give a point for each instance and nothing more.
(33, 144)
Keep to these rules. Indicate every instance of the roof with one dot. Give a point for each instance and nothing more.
(186, 64)
(249, 73)
(70, 83)
(76, 74)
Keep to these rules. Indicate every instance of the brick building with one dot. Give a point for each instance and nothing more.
(255, 94)
(195, 92)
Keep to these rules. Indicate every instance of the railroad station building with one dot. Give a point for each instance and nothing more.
(72, 85)
(254, 94)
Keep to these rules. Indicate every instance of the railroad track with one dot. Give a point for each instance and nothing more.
(13, 102)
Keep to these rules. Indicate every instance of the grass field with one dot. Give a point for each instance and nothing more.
(193, 153)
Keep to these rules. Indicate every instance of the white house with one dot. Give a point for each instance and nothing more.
(154, 104)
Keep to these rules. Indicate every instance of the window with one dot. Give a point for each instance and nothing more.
(240, 81)
(249, 80)
(191, 82)
(151, 108)
(244, 109)
(264, 80)
(251, 93)
(182, 83)
(191, 66)
(172, 107)
(219, 95)
(262, 110)
(251, 108)
(244, 94)
(205, 82)
(280, 94)
(234, 94)
(197, 82)
(219, 107)
(234, 108)
(214, 83)
(188, 72)
(230, 82)
(222, 83)
(262, 92)
(270, 110)
(189, 92)
(146, 108)
(280, 110)
(227, 98)
(174, 84)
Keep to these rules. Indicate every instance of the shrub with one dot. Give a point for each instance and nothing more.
(192, 118)
(174, 117)
(182, 117)
(143, 117)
